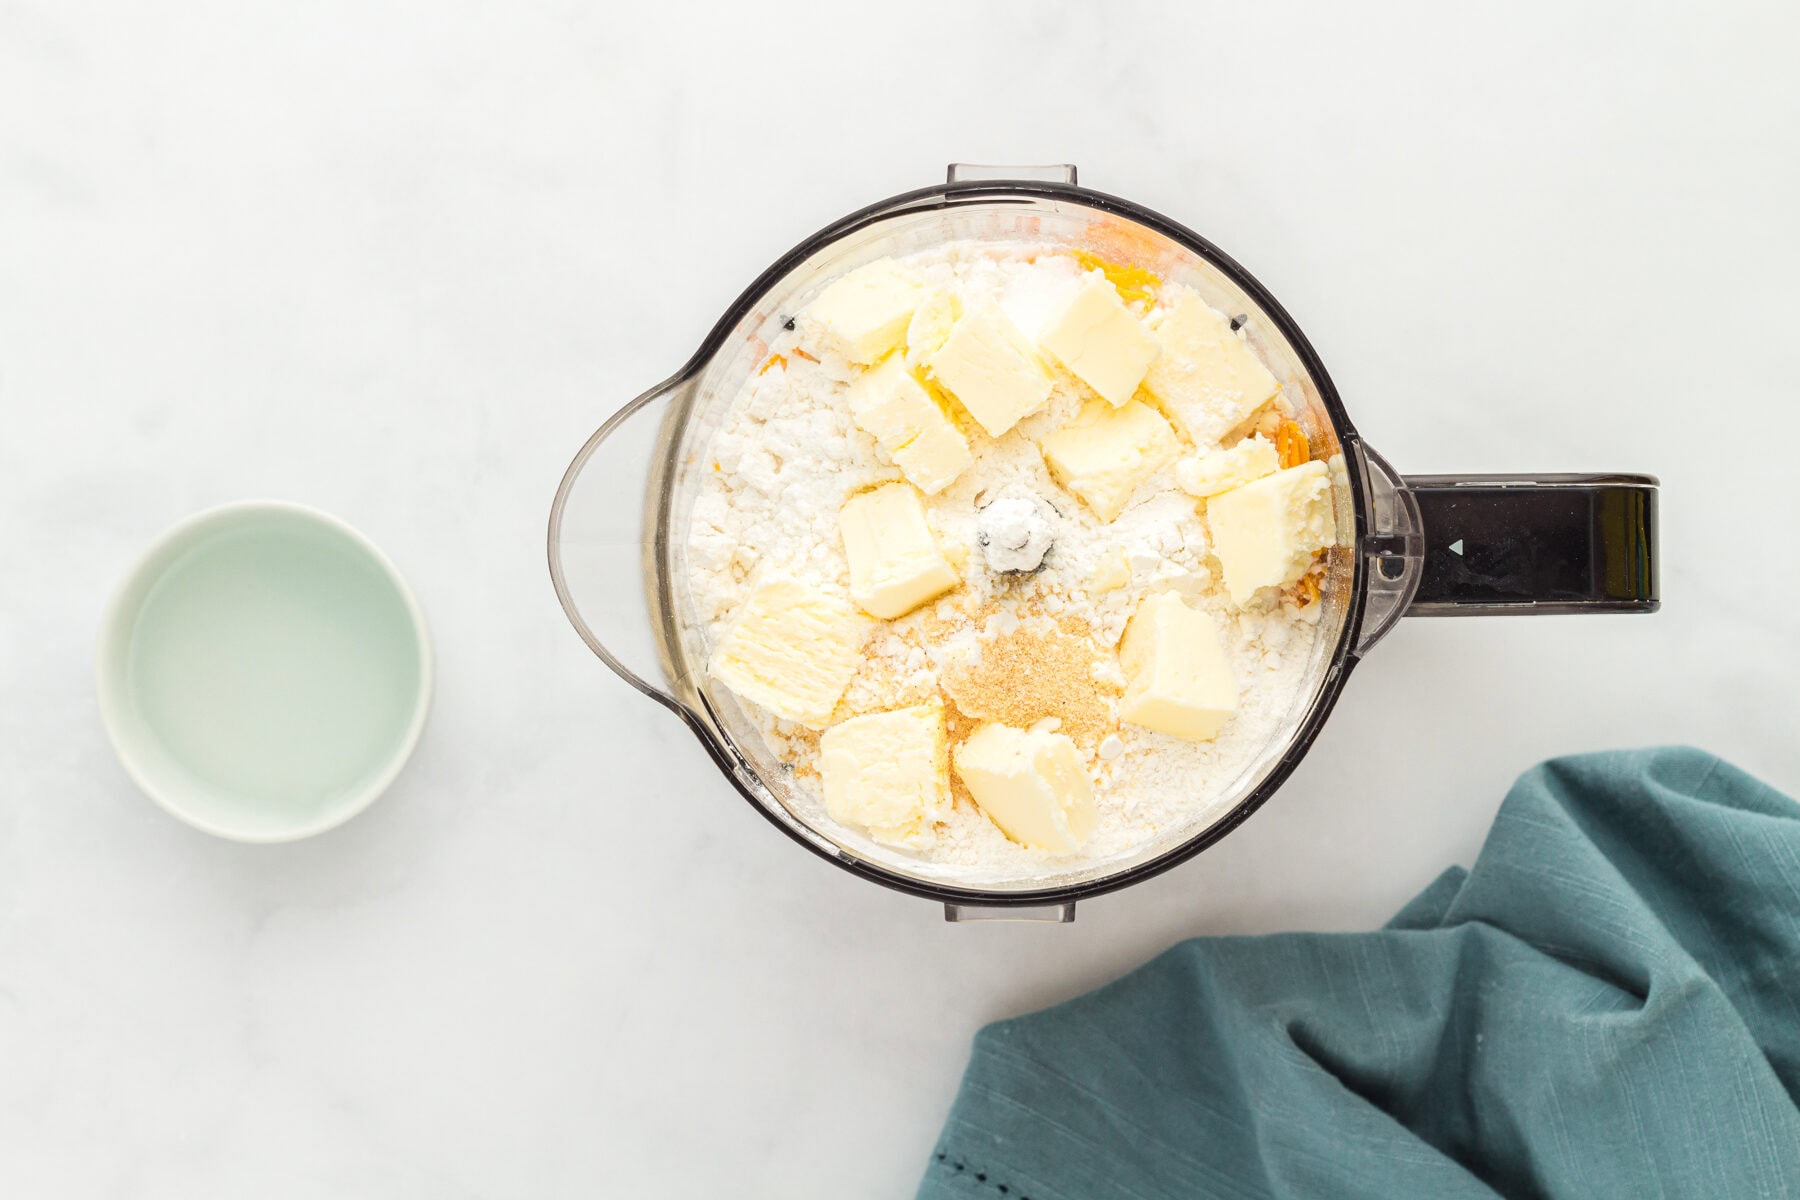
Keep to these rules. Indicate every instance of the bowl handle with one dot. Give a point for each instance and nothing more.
(1536, 544)
(1478, 545)
(603, 540)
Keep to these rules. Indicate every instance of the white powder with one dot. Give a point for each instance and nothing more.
(788, 455)
(1014, 533)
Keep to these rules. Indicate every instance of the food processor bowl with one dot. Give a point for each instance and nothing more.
(1426, 545)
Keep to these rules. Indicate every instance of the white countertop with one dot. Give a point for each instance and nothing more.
(398, 260)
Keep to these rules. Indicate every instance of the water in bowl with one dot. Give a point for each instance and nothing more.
(279, 667)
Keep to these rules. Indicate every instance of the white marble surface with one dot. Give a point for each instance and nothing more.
(398, 259)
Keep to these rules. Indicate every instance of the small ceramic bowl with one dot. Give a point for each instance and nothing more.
(264, 671)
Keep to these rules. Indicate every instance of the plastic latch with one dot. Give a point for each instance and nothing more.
(1036, 172)
(1394, 548)
(1053, 914)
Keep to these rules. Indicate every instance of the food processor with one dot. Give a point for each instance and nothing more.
(1408, 545)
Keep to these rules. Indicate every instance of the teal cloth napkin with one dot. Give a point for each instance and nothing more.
(1607, 1005)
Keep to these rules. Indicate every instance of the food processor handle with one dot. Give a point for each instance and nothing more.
(1535, 544)
(603, 542)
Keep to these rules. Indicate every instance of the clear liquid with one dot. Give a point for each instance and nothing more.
(279, 668)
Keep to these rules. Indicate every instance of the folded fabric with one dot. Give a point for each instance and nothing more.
(1607, 1005)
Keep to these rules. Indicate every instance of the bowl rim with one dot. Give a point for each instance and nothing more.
(118, 625)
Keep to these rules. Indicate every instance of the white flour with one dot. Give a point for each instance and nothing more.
(1015, 533)
(788, 455)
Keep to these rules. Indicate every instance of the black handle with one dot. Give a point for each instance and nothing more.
(1544, 544)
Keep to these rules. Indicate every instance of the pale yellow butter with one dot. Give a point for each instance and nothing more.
(887, 771)
(907, 420)
(1111, 573)
(1032, 784)
(1209, 474)
(793, 649)
(1266, 532)
(895, 566)
(930, 327)
(1106, 453)
(1178, 680)
(991, 369)
(1100, 342)
(865, 314)
(1207, 378)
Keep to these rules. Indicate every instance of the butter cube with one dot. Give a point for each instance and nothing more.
(930, 327)
(1111, 573)
(1207, 377)
(991, 369)
(1266, 532)
(1178, 680)
(905, 418)
(793, 649)
(895, 566)
(1100, 342)
(1209, 474)
(864, 314)
(887, 771)
(1105, 453)
(1031, 784)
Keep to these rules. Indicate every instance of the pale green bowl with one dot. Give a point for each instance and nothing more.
(264, 672)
